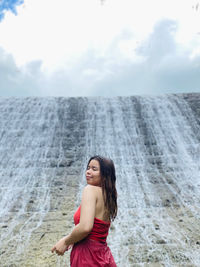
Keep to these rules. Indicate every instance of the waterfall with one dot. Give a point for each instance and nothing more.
(155, 144)
(156, 154)
(27, 130)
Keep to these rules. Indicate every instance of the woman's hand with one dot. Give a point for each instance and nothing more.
(61, 246)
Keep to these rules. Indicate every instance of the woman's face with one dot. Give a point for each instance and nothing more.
(93, 175)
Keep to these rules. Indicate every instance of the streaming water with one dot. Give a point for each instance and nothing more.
(27, 130)
(155, 145)
(156, 153)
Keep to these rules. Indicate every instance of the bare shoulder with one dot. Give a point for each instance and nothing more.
(91, 189)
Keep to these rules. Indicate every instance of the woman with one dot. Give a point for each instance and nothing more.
(92, 219)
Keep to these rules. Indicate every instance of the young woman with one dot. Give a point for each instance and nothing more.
(92, 219)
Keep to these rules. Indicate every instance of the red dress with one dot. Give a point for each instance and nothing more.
(92, 251)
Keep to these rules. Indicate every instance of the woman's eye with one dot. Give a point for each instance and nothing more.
(93, 168)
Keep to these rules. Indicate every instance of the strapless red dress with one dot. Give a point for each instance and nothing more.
(93, 250)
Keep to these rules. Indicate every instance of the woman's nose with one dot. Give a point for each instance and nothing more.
(88, 171)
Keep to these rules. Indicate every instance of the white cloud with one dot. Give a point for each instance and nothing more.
(15, 81)
(73, 48)
(58, 31)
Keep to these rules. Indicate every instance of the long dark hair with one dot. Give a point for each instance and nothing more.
(108, 184)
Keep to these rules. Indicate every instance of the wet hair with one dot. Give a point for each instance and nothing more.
(108, 184)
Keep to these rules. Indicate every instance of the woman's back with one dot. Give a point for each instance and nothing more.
(100, 209)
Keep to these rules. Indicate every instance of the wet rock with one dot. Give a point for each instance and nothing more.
(167, 203)
(44, 143)
(42, 236)
(58, 183)
(161, 241)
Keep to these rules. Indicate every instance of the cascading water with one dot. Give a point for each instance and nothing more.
(27, 132)
(156, 154)
(154, 143)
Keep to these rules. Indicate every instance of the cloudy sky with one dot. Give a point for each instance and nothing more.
(99, 47)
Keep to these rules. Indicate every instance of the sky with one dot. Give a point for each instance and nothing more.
(99, 47)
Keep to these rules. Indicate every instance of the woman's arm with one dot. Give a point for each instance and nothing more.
(85, 225)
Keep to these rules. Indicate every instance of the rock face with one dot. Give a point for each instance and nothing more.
(155, 143)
